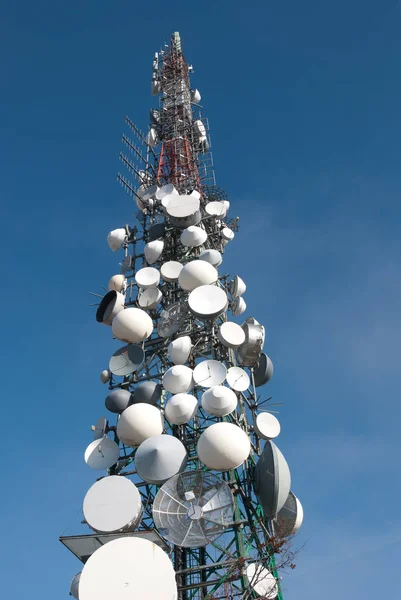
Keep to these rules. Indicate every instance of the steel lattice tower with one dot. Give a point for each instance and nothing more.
(176, 152)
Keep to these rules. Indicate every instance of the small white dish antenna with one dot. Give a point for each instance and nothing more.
(179, 350)
(238, 307)
(181, 408)
(238, 379)
(209, 373)
(116, 238)
(219, 401)
(178, 379)
(289, 519)
(110, 305)
(193, 236)
(197, 273)
(223, 446)
(125, 568)
(231, 335)
(99, 430)
(132, 325)
(266, 426)
(207, 302)
(171, 270)
(216, 209)
(126, 360)
(138, 423)
(195, 194)
(159, 458)
(74, 586)
(195, 96)
(150, 298)
(165, 190)
(184, 211)
(147, 277)
(237, 287)
(193, 508)
(116, 283)
(227, 234)
(105, 376)
(211, 256)
(272, 480)
(102, 454)
(153, 251)
(112, 504)
(261, 581)
(167, 197)
(118, 400)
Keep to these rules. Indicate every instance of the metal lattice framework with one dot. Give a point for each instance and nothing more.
(176, 151)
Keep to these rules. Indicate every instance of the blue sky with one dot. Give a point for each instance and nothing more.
(303, 102)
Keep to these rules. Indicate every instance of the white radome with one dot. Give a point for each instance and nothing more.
(127, 568)
(223, 446)
(227, 234)
(267, 426)
(207, 301)
(116, 283)
(231, 335)
(171, 270)
(179, 350)
(216, 209)
(153, 251)
(261, 581)
(112, 504)
(105, 376)
(219, 401)
(150, 298)
(211, 256)
(181, 408)
(197, 273)
(178, 379)
(165, 190)
(138, 422)
(193, 236)
(101, 454)
(116, 238)
(238, 307)
(132, 325)
(147, 277)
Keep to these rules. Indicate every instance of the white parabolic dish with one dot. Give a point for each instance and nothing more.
(216, 209)
(178, 379)
(132, 325)
(160, 457)
(139, 422)
(267, 426)
(231, 335)
(219, 401)
(112, 504)
(147, 277)
(238, 379)
(193, 236)
(75, 585)
(181, 408)
(115, 238)
(171, 270)
(126, 569)
(102, 454)
(116, 283)
(209, 373)
(207, 301)
(223, 446)
(150, 298)
(197, 273)
(179, 350)
(211, 256)
(262, 581)
(153, 251)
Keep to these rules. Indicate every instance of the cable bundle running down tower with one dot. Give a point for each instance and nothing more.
(195, 502)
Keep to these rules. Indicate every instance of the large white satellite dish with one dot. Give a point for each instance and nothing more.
(223, 446)
(237, 287)
(147, 277)
(183, 211)
(160, 457)
(219, 401)
(75, 585)
(181, 408)
(110, 305)
(266, 426)
(238, 379)
(102, 454)
(116, 283)
(207, 302)
(148, 392)
(238, 307)
(216, 209)
(167, 198)
(126, 360)
(209, 373)
(272, 480)
(289, 519)
(179, 350)
(231, 335)
(211, 256)
(138, 423)
(193, 236)
(197, 273)
(178, 379)
(112, 504)
(166, 189)
(171, 270)
(116, 238)
(132, 325)
(128, 568)
(261, 581)
(153, 251)
(150, 298)
(193, 508)
(118, 400)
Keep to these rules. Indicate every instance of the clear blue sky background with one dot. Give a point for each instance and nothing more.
(304, 103)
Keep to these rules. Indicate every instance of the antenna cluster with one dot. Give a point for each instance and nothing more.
(193, 489)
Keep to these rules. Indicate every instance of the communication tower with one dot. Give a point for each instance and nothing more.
(194, 501)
